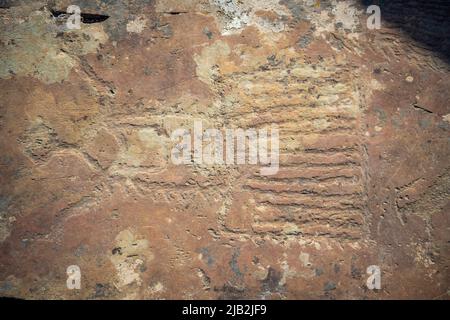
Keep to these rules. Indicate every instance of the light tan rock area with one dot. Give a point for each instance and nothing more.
(86, 170)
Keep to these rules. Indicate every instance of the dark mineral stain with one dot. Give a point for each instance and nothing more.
(329, 286)
(336, 268)
(6, 286)
(228, 292)
(234, 263)
(207, 255)
(356, 273)
(272, 281)
(208, 33)
(318, 272)
(304, 41)
(102, 290)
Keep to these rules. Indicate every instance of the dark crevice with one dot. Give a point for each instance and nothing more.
(417, 107)
(174, 13)
(85, 17)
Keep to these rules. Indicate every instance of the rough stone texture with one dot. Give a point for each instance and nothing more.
(85, 171)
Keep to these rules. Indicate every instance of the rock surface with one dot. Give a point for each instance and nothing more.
(87, 179)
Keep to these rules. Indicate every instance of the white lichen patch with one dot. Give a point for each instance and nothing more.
(137, 25)
(129, 255)
(346, 14)
(233, 16)
(422, 256)
(446, 118)
(155, 289)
